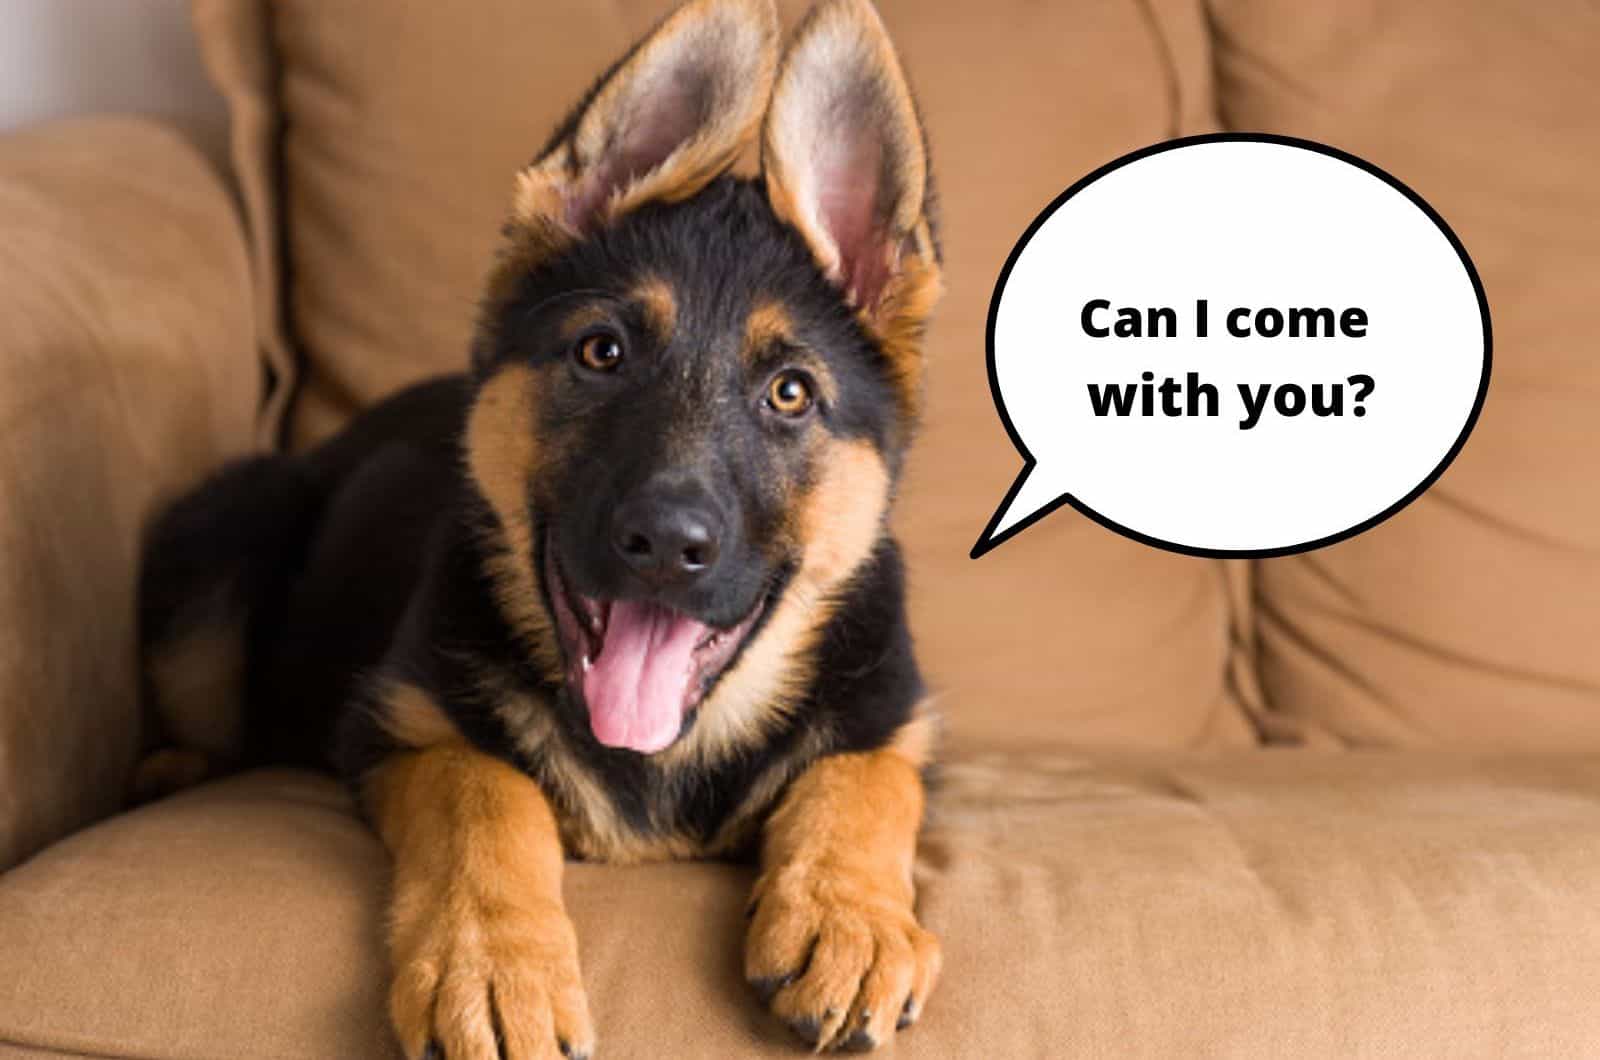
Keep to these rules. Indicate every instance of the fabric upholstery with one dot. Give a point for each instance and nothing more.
(242, 65)
(1280, 903)
(402, 128)
(126, 372)
(1469, 619)
(1243, 903)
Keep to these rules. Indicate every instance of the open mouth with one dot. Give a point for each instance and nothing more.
(641, 666)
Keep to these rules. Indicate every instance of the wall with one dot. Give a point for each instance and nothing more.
(83, 56)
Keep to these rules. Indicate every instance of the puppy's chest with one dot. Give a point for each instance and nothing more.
(624, 809)
(644, 813)
(649, 816)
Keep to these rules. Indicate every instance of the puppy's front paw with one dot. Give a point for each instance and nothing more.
(476, 980)
(841, 960)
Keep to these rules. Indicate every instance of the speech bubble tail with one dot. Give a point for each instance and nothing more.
(1031, 497)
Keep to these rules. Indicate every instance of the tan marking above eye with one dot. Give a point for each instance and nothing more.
(660, 306)
(768, 323)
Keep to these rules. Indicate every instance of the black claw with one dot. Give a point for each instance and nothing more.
(809, 1028)
(907, 1017)
(859, 1042)
(571, 1053)
(433, 1052)
(767, 987)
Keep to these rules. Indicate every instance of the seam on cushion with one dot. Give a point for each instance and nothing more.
(1440, 653)
(1241, 673)
(1473, 513)
(1169, 65)
(1333, 664)
(279, 408)
(1219, 38)
(255, 136)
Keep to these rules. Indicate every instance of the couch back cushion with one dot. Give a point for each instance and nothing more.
(391, 133)
(1472, 619)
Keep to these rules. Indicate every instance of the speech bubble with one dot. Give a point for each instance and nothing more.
(1234, 345)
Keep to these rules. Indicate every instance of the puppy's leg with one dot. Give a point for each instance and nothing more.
(485, 960)
(834, 943)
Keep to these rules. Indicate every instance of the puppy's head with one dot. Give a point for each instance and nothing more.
(695, 389)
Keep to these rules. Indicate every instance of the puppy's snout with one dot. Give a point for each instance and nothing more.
(668, 533)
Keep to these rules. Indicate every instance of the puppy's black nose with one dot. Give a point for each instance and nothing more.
(667, 535)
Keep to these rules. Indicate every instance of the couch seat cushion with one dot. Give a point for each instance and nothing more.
(1283, 903)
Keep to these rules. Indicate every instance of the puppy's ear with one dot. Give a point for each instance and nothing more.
(667, 118)
(846, 163)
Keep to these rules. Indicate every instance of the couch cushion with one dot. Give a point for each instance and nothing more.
(393, 187)
(126, 372)
(1469, 619)
(1286, 903)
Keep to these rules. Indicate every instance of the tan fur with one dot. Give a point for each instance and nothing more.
(536, 230)
(412, 718)
(528, 720)
(660, 306)
(839, 40)
(501, 456)
(742, 34)
(917, 739)
(834, 928)
(592, 828)
(587, 820)
(769, 322)
(900, 319)
(198, 681)
(839, 521)
(746, 32)
(838, 524)
(744, 823)
(532, 235)
(478, 936)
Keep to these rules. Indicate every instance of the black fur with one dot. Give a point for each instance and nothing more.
(365, 558)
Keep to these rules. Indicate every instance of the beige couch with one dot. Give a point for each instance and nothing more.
(1337, 805)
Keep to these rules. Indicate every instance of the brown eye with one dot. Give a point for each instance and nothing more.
(600, 352)
(789, 394)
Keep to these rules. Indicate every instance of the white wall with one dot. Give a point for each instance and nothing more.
(85, 56)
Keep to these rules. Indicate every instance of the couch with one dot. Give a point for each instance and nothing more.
(1342, 804)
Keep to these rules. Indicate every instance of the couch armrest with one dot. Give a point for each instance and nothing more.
(127, 368)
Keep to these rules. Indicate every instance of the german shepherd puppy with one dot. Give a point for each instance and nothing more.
(625, 590)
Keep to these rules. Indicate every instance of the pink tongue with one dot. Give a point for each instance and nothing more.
(636, 689)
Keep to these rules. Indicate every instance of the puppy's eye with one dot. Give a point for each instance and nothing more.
(600, 352)
(789, 394)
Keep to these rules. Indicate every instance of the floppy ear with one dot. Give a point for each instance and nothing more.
(668, 117)
(846, 163)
